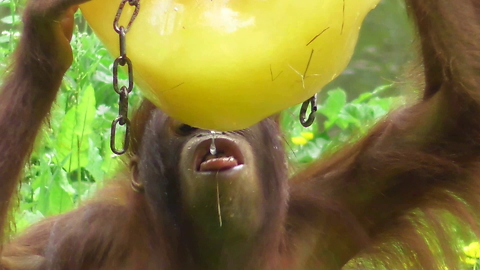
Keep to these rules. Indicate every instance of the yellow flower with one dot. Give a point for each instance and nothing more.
(299, 140)
(470, 261)
(472, 250)
(307, 135)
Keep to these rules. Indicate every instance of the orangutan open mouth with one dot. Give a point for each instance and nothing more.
(228, 156)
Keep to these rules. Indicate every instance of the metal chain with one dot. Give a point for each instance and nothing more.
(312, 102)
(124, 90)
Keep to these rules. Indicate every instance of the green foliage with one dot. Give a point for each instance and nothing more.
(339, 122)
(73, 154)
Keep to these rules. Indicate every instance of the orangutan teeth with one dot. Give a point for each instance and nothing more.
(210, 157)
(227, 156)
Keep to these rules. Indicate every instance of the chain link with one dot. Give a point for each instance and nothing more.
(312, 102)
(123, 90)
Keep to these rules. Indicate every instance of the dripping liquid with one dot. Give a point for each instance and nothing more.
(213, 147)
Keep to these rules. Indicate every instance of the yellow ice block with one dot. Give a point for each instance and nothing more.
(227, 64)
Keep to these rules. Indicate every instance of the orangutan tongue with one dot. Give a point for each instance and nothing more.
(218, 164)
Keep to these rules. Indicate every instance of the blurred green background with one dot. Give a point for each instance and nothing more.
(383, 50)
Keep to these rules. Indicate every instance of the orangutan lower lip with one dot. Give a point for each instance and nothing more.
(228, 156)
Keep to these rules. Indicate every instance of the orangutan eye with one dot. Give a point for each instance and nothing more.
(185, 129)
(180, 128)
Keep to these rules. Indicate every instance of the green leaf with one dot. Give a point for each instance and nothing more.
(334, 103)
(53, 192)
(73, 136)
(332, 106)
(111, 162)
(4, 39)
(26, 218)
(95, 162)
(368, 95)
(89, 191)
(59, 199)
(11, 19)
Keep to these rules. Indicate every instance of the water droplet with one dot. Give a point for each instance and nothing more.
(213, 147)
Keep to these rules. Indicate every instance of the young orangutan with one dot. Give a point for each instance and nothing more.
(385, 201)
